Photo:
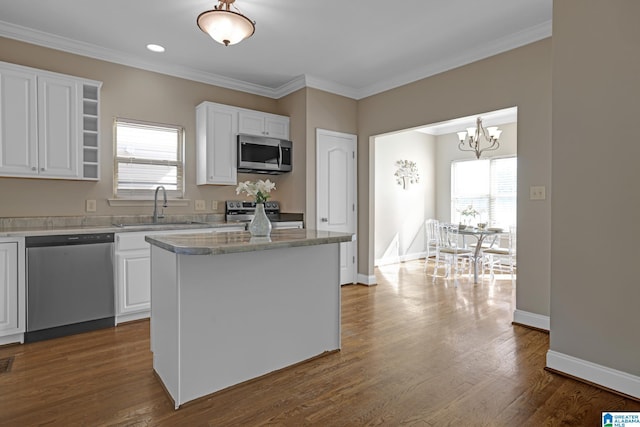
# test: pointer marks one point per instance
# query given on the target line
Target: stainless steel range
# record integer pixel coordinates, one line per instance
(241, 211)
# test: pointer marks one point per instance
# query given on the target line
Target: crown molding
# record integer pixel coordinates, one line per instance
(491, 118)
(524, 37)
(332, 87)
(52, 41)
(307, 80)
(290, 87)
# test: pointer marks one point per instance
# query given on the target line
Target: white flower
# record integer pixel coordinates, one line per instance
(259, 189)
(470, 211)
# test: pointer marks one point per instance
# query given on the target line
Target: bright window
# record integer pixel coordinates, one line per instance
(489, 186)
(148, 155)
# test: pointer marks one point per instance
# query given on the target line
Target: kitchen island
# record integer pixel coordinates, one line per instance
(226, 308)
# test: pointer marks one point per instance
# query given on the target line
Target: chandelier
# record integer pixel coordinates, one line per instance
(474, 142)
(225, 25)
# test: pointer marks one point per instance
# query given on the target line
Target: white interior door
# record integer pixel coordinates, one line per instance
(336, 193)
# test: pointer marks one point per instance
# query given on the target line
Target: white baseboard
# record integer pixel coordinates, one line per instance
(594, 373)
(534, 320)
(122, 318)
(367, 280)
(10, 339)
(400, 258)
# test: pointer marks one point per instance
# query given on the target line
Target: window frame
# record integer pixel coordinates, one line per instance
(141, 194)
(491, 197)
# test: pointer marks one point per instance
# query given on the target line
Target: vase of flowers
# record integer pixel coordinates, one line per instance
(260, 190)
(468, 213)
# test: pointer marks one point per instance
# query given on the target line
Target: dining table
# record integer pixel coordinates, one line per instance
(481, 235)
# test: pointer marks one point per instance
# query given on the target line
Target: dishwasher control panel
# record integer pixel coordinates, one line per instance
(68, 239)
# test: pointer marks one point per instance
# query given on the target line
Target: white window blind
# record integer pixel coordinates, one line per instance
(148, 155)
(489, 186)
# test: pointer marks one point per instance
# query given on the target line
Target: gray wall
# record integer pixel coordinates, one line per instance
(595, 290)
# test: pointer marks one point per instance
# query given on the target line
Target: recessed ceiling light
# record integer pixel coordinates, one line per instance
(155, 48)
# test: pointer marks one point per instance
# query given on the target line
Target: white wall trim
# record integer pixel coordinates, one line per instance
(331, 87)
(146, 202)
(513, 41)
(10, 339)
(594, 373)
(130, 317)
(290, 87)
(367, 280)
(64, 44)
(53, 41)
(534, 320)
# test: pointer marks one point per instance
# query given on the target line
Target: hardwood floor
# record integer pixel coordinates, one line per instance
(413, 352)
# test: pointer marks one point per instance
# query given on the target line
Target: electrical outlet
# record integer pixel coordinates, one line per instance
(90, 205)
(200, 205)
(214, 205)
(537, 193)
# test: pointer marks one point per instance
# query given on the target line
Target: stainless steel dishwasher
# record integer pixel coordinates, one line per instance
(70, 286)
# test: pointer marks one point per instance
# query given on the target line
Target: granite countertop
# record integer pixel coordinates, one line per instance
(24, 227)
(242, 241)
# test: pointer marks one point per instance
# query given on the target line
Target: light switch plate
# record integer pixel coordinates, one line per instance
(537, 193)
(200, 205)
(90, 205)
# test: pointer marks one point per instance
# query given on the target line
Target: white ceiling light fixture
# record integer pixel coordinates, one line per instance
(225, 25)
(473, 143)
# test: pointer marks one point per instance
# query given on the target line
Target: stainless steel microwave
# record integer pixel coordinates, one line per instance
(259, 154)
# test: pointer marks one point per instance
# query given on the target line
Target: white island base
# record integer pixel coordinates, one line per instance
(219, 320)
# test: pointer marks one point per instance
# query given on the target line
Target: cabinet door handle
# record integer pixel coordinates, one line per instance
(324, 219)
(42, 169)
(33, 168)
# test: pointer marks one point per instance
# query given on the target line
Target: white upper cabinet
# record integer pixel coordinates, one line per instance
(263, 124)
(217, 130)
(18, 122)
(48, 124)
(58, 127)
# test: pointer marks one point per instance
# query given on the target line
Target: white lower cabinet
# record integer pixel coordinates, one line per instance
(133, 281)
(12, 294)
(133, 271)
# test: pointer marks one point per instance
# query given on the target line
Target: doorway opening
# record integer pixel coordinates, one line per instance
(401, 208)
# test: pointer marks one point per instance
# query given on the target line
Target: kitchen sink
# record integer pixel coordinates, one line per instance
(157, 224)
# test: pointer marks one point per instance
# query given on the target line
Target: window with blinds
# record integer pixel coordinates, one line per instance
(488, 186)
(148, 155)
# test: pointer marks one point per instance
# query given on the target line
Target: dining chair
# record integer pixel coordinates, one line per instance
(501, 257)
(449, 250)
(431, 239)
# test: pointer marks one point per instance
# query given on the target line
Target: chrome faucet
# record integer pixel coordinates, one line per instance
(155, 204)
